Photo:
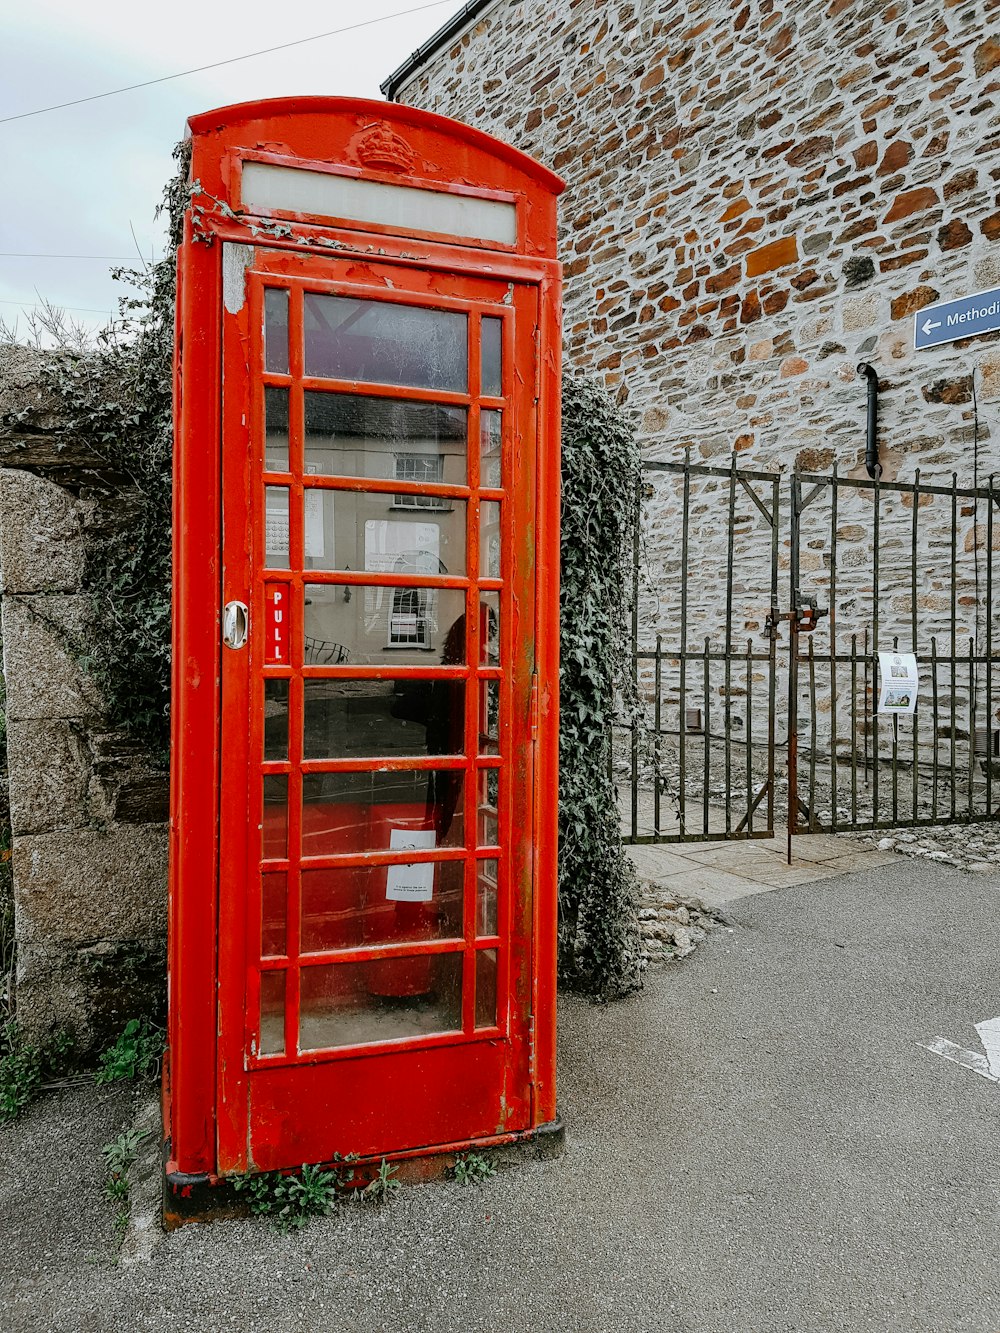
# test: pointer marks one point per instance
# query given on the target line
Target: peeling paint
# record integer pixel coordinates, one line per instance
(236, 259)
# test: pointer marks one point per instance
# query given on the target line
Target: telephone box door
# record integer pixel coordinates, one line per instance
(377, 761)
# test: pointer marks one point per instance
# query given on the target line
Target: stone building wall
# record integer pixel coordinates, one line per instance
(87, 807)
(759, 197)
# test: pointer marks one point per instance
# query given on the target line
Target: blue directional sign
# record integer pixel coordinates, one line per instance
(964, 318)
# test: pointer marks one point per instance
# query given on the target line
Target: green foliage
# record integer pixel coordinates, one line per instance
(118, 1156)
(472, 1168)
(291, 1200)
(25, 1068)
(599, 946)
(135, 1055)
(118, 402)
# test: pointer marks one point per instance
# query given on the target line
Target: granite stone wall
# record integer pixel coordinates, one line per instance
(759, 197)
(87, 807)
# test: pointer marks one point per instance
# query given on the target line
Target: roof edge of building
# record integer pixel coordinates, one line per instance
(455, 25)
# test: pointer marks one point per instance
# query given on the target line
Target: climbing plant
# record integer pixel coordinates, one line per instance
(116, 397)
(599, 948)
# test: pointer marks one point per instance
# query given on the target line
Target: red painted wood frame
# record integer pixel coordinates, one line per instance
(230, 1105)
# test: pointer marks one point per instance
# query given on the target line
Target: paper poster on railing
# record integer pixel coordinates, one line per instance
(898, 691)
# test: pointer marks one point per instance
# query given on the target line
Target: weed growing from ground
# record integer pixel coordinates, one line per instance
(135, 1055)
(118, 1156)
(471, 1168)
(381, 1187)
(289, 1201)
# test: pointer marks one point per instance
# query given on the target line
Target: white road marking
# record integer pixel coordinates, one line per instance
(988, 1065)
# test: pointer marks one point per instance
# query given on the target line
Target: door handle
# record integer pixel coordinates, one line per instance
(235, 624)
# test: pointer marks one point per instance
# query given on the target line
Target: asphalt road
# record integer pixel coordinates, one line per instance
(758, 1143)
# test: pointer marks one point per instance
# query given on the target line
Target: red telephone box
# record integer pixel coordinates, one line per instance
(363, 879)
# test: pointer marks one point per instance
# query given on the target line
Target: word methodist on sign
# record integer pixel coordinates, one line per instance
(962, 318)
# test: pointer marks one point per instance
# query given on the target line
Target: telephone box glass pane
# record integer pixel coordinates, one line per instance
(351, 1004)
(273, 901)
(357, 906)
(275, 428)
(276, 527)
(489, 629)
(272, 1013)
(488, 808)
(490, 429)
(486, 988)
(486, 897)
(491, 351)
(383, 342)
(489, 540)
(276, 330)
(347, 530)
(363, 719)
(392, 626)
(489, 717)
(344, 813)
(276, 719)
(275, 832)
(388, 439)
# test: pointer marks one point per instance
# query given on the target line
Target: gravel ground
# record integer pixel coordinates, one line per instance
(756, 1143)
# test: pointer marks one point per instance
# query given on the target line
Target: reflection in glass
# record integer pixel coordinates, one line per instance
(383, 625)
(486, 897)
(275, 831)
(492, 348)
(486, 988)
(275, 428)
(276, 527)
(275, 719)
(343, 813)
(346, 719)
(489, 717)
(352, 907)
(276, 330)
(489, 540)
(352, 530)
(272, 1013)
(488, 808)
(351, 1004)
(383, 342)
(490, 440)
(273, 900)
(349, 435)
(489, 629)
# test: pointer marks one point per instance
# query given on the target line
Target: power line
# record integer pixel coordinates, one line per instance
(58, 305)
(19, 254)
(233, 60)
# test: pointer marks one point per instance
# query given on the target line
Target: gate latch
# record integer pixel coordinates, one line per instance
(807, 615)
(235, 621)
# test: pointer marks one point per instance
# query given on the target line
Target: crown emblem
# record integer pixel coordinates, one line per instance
(378, 146)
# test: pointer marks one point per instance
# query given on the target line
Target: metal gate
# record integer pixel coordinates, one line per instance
(760, 603)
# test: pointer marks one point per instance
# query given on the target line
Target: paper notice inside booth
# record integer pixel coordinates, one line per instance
(410, 883)
(899, 682)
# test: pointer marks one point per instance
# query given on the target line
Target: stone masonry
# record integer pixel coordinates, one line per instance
(87, 808)
(758, 198)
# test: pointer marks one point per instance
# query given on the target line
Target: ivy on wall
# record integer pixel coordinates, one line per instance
(599, 943)
(118, 402)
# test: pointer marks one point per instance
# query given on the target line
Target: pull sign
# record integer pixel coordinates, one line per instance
(277, 602)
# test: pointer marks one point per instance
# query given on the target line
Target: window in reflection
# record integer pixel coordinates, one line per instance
(383, 342)
(350, 435)
(396, 626)
(368, 531)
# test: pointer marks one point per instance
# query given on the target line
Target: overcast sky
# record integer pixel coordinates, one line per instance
(79, 181)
